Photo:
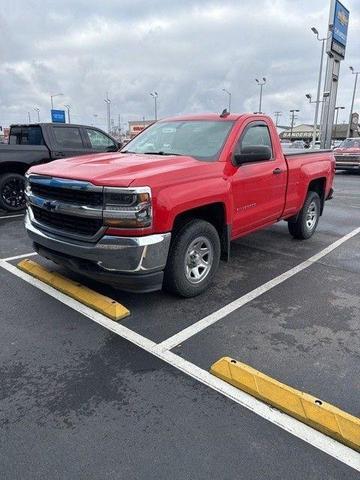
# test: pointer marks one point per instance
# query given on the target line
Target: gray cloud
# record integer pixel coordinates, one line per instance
(187, 51)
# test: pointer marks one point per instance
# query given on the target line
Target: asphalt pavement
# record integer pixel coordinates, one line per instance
(78, 401)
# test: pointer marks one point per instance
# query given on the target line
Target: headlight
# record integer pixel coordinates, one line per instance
(127, 207)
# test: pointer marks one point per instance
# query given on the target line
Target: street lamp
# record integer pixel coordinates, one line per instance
(68, 108)
(353, 99)
(336, 119)
(317, 102)
(226, 91)
(37, 110)
(108, 102)
(261, 84)
(55, 95)
(155, 97)
(293, 111)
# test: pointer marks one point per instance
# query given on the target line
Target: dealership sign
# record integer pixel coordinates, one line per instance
(340, 29)
(58, 116)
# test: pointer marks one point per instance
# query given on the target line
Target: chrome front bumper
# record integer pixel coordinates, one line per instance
(128, 255)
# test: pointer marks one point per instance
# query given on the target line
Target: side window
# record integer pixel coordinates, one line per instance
(26, 136)
(68, 137)
(254, 135)
(98, 140)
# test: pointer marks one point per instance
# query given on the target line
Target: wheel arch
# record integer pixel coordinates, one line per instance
(13, 167)
(214, 213)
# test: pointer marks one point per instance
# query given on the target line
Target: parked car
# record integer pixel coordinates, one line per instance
(163, 211)
(347, 155)
(41, 143)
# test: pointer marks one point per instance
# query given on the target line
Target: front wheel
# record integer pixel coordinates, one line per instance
(12, 192)
(193, 259)
(308, 218)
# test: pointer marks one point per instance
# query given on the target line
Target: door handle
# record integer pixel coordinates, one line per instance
(277, 171)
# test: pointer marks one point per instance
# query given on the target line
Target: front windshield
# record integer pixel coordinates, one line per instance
(350, 143)
(200, 139)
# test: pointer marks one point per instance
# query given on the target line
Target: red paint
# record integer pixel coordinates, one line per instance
(252, 196)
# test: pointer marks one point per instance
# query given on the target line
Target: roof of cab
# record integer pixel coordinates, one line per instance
(203, 116)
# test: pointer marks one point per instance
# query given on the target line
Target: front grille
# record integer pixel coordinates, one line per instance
(67, 223)
(75, 196)
(348, 158)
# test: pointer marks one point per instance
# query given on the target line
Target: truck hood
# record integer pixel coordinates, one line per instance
(117, 169)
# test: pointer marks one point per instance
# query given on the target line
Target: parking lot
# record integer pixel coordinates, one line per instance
(84, 397)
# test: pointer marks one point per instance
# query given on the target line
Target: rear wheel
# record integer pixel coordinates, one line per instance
(12, 192)
(308, 218)
(193, 259)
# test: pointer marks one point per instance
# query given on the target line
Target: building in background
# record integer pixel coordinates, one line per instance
(305, 131)
(138, 126)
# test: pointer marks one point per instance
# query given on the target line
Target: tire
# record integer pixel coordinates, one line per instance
(12, 187)
(193, 259)
(308, 218)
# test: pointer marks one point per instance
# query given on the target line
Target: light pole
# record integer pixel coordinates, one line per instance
(108, 102)
(277, 116)
(293, 111)
(226, 91)
(261, 84)
(353, 100)
(68, 108)
(52, 101)
(95, 115)
(29, 118)
(155, 97)
(317, 103)
(336, 118)
(37, 110)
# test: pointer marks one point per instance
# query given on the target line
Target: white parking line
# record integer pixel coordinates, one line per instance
(17, 257)
(313, 437)
(197, 327)
(12, 216)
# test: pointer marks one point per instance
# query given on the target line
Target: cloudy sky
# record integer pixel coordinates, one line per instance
(187, 51)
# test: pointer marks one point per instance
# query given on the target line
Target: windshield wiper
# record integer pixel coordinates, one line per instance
(162, 153)
(127, 151)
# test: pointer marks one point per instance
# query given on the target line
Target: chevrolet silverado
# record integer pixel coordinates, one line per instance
(163, 211)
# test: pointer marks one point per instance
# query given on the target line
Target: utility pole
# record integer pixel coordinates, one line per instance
(353, 100)
(261, 84)
(68, 107)
(229, 94)
(37, 110)
(277, 116)
(108, 102)
(292, 121)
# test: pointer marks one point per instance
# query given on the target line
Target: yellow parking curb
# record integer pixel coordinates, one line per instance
(105, 305)
(308, 409)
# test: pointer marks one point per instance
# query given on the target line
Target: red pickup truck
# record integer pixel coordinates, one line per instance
(347, 155)
(163, 211)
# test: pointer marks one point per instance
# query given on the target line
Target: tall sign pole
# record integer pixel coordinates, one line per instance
(335, 49)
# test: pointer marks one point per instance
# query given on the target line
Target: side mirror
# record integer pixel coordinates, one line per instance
(114, 148)
(120, 145)
(253, 153)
